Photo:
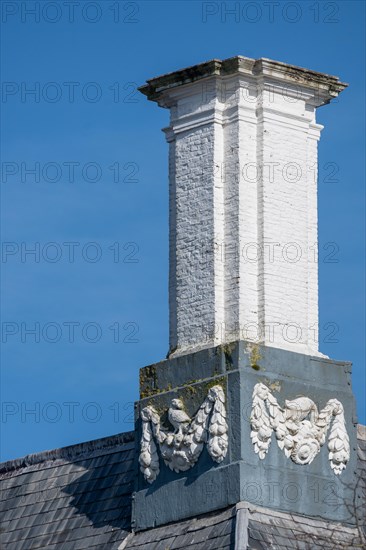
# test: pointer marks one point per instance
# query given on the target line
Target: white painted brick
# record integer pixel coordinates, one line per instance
(242, 171)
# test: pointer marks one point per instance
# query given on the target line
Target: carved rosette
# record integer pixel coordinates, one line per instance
(299, 428)
(181, 449)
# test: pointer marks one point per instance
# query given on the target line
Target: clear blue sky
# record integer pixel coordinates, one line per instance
(86, 111)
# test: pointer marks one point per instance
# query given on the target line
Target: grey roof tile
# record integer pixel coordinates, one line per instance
(79, 498)
(282, 531)
(73, 497)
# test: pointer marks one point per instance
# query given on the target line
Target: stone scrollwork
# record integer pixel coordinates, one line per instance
(299, 427)
(181, 449)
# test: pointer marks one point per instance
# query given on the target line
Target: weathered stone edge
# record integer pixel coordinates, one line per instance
(154, 87)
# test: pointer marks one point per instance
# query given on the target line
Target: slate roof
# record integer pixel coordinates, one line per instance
(262, 529)
(80, 497)
(68, 499)
(272, 529)
(215, 531)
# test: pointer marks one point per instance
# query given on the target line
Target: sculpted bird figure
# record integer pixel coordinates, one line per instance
(178, 418)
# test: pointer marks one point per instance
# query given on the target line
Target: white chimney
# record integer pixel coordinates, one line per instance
(243, 202)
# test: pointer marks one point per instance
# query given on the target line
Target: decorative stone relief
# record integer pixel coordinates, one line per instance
(299, 427)
(181, 449)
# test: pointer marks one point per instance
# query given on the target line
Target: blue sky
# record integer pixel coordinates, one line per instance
(95, 210)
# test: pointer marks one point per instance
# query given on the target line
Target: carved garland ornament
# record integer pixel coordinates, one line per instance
(300, 429)
(181, 449)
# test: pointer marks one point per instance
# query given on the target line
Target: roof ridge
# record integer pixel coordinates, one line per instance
(69, 452)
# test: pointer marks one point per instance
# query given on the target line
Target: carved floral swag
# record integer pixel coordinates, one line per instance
(300, 429)
(180, 451)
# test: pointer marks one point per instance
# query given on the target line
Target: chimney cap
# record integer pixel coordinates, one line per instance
(329, 86)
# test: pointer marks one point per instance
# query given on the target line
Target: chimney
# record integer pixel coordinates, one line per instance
(243, 143)
(245, 406)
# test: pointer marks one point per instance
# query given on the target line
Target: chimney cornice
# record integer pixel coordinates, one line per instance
(329, 86)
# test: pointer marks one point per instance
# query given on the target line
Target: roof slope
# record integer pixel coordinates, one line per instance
(257, 529)
(271, 529)
(80, 497)
(71, 498)
(214, 531)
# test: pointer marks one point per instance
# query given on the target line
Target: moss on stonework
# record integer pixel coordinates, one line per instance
(192, 396)
(255, 357)
(228, 350)
(190, 389)
(149, 386)
(199, 391)
(159, 405)
(148, 381)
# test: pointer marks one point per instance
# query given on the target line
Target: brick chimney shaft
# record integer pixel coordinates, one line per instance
(243, 202)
